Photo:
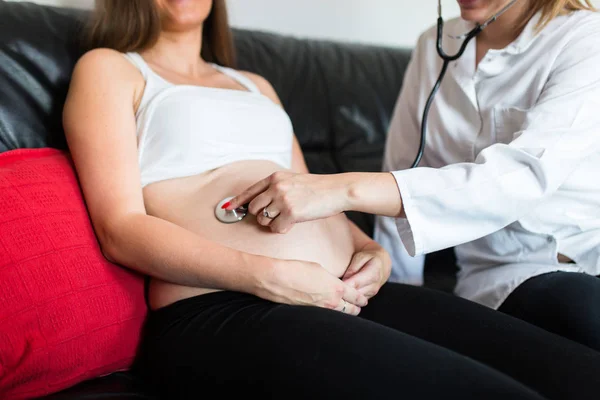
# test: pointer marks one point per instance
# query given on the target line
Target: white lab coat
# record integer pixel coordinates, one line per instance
(511, 171)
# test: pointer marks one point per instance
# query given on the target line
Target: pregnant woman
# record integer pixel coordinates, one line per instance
(162, 129)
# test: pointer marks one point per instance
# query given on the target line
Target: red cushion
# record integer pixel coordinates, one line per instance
(66, 313)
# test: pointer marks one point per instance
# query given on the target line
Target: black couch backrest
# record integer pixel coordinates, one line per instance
(38, 50)
(340, 96)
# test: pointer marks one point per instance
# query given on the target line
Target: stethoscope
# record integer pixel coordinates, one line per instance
(233, 216)
(447, 59)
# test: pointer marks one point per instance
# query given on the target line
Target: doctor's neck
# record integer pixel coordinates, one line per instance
(506, 28)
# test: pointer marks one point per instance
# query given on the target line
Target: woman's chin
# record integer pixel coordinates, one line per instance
(183, 24)
(475, 16)
(179, 15)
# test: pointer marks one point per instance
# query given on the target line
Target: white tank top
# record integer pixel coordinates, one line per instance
(184, 130)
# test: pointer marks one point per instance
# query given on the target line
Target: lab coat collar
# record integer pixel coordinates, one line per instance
(526, 37)
(464, 68)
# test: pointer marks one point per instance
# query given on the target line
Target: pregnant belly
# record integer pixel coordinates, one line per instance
(190, 203)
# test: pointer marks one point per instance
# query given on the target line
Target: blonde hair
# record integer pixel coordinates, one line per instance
(551, 9)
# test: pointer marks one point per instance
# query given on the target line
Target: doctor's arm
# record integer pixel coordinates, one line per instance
(370, 266)
(303, 197)
(464, 202)
(327, 195)
(442, 208)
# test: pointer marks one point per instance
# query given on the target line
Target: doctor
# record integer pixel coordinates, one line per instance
(509, 174)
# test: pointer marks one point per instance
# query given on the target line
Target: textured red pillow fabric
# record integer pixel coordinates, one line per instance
(66, 313)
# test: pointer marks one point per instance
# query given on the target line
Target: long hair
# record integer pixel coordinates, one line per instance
(134, 25)
(551, 9)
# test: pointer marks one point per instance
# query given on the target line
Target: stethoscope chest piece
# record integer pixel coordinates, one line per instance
(230, 217)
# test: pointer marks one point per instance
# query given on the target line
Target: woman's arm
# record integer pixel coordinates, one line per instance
(99, 123)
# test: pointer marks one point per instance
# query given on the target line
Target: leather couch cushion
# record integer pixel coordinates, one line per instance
(120, 386)
(67, 314)
(38, 50)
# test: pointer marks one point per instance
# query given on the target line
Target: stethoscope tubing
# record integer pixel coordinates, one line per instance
(447, 59)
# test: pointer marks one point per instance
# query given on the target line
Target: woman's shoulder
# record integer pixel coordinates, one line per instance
(264, 86)
(101, 57)
(586, 16)
(576, 35)
(105, 64)
(260, 81)
(582, 22)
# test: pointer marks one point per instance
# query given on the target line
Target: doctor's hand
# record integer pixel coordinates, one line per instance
(285, 198)
(369, 270)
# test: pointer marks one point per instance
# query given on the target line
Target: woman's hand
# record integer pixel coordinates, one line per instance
(285, 198)
(309, 284)
(369, 270)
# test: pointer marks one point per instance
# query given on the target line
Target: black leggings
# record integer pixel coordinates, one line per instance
(408, 343)
(566, 303)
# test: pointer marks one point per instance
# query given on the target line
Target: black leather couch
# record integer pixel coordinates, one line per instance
(340, 97)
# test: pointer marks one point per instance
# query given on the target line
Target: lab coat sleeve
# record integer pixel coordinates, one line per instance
(463, 202)
(401, 147)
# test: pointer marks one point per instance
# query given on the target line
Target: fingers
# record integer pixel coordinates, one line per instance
(366, 281)
(282, 224)
(356, 264)
(348, 308)
(264, 202)
(369, 290)
(354, 297)
(257, 207)
(267, 216)
(249, 194)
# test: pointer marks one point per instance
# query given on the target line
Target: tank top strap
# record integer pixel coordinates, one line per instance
(139, 62)
(239, 77)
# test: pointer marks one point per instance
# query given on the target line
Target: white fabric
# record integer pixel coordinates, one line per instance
(510, 170)
(184, 130)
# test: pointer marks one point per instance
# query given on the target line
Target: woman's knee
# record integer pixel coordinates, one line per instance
(565, 303)
(555, 291)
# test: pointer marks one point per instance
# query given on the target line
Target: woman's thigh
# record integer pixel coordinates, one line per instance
(566, 303)
(241, 344)
(556, 367)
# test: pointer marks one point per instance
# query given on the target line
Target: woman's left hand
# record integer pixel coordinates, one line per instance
(369, 270)
(285, 198)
